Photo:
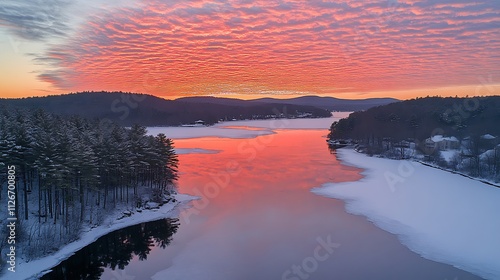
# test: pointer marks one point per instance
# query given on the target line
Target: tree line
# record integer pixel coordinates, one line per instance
(391, 129)
(71, 171)
(129, 108)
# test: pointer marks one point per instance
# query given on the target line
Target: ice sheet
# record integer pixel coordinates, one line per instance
(442, 216)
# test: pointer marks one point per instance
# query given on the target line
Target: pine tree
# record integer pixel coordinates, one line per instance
(69, 163)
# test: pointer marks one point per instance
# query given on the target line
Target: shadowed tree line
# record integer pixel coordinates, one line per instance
(390, 129)
(72, 171)
(129, 108)
(420, 118)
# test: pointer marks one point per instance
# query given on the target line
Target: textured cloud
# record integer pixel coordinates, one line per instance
(35, 20)
(186, 47)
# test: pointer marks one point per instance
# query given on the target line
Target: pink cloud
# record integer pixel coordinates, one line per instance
(186, 47)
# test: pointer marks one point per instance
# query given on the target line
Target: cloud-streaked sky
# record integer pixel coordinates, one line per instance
(349, 49)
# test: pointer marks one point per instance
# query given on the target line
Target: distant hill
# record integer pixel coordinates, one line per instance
(328, 103)
(218, 101)
(148, 110)
(332, 103)
(422, 117)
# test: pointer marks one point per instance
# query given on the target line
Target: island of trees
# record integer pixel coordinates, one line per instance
(71, 172)
(459, 134)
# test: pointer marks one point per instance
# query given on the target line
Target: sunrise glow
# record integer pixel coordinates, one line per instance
(250, 49)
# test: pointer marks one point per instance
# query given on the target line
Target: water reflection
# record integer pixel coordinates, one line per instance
(332, 150)
(263, 219)
(116, 250)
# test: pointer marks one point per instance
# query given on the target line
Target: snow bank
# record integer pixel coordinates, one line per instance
(207, 131)
(488, 137)
(441, 216)
(245, 129)
(319, 123)
(35, 269)
(182, 151)
(440, 138)
(448, 155)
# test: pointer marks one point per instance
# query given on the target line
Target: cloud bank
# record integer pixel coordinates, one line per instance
(190, 47)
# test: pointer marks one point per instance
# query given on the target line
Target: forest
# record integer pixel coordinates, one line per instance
(127, 108)
(322, 102)
(71, 172)
(403, 129)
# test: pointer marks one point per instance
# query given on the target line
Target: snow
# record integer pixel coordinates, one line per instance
(182, 151)
(441, 216)
(320, 123)
(35, 269)
(206, 131)
(439, 138)
(152, 205)
(245, 129)
(488, 137)
(449, 154)
(487, 154)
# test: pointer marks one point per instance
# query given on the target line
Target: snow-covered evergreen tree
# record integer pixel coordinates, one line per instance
(70, 169)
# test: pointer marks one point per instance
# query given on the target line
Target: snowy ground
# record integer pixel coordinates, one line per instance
(183, 151)
(441, 216)
(320, 123)
(207, 131)
(36, 268)
(246, 129)
(449, 155)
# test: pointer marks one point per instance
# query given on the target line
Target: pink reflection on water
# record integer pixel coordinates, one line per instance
(265, 218)
(264, 160)
(273, 171)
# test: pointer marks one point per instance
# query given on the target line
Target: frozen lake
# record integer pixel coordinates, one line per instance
(258, 219)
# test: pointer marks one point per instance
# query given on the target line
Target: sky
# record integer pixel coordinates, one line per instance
(250, 49)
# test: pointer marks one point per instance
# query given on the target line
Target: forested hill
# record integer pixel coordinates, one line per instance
(147, 110)
(332, 103)
(422, 117)
(328, 103)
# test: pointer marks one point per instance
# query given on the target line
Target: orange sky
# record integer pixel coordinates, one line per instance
(250, 49)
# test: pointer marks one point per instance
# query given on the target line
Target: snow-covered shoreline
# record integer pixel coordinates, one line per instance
(36, 268)
(442, 216)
